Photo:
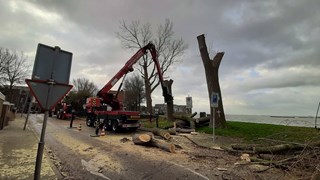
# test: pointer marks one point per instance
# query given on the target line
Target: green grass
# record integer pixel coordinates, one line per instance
(162, 123)
(251, 132)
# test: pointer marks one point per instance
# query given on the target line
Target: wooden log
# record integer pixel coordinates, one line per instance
(163, 145)
(280, 141)
(160, 132)
(182, 130)
(147, 140)
(203, 120)
(182, 124)
(203, 124)
(172, 131)
(277, 148)
(141, 139)
(186, 119)
(242, 147)
(183, 118)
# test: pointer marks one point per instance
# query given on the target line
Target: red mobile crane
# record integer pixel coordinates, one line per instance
(107, 110)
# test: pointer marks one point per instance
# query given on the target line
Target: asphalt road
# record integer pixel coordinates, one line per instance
(79, 156)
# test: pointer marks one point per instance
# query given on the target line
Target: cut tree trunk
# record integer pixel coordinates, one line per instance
(164, 145)
(187, 119)
(181, 124)
(148, 140)
(203, 124)
(183, 118)
(141, 139)
(168, 85)
(172, 131)
(277, 148)
(203, 120)
(211, 68)
(160, 132)
(182, 130)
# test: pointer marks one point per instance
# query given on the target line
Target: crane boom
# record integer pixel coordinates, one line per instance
(128, 67)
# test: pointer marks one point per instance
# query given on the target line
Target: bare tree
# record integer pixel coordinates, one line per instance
(82, 89)
(170, 50)
(211, 67)
(134, 92)
(6, 57)
(84, 86)
(14, 70)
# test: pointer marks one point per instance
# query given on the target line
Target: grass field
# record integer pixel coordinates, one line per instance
(252, 132)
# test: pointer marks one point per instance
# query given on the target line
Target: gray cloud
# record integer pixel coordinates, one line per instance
(271, 47)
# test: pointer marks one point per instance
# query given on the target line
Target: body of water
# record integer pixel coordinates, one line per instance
(301, 121)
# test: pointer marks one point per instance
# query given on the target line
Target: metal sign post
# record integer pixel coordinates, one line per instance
(315, 121)
(49, 84)
(214, 102)
(28, 111)
(43, 132)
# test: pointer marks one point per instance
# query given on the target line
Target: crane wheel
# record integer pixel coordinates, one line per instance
(115, 126)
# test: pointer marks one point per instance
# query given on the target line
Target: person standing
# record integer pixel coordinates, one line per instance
(72, 117)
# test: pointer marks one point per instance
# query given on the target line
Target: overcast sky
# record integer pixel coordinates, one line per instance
(272, 48)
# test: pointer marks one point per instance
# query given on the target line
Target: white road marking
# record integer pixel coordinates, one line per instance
(192, 171)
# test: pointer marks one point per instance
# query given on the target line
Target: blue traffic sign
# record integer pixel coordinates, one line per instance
(214, 101)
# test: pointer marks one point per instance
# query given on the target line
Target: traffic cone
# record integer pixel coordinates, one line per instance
(79, 127)
(103, 133)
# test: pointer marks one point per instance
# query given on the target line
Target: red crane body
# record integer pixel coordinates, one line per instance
(116, 116)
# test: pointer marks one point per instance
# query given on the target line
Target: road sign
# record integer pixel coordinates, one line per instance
(49, 84)
(47, 96)
(52, 63)
(214, 101)
(50, 76)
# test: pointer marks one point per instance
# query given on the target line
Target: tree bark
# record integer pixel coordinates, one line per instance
(160, 132)
(170, 112)
(188, 120)
(183, 118)
(182, 130)
(203, 120)
(277, 148)
(148, 140)
(148, 90)
(211, 71)
(164, 145)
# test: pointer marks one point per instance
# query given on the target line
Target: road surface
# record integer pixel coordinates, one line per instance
(77, 155)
